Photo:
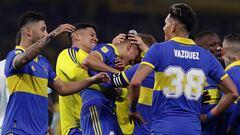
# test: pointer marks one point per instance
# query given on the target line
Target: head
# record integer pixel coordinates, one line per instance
(180, 21)
(147, 39)
(127, 51)
(84, 36)
(209, 40)
(231, 48)
(32, 26)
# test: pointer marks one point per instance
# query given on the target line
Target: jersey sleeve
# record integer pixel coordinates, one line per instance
(9, 67)
(51, 74)
(216, 71)
(105, 52)
(151, 57)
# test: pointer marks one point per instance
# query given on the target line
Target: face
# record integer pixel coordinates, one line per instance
(39, 30)
(212, 43)
(229, 52)
(88, 37)
(168, 28)
(132, 53)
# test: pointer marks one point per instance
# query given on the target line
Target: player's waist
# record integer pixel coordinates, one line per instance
(145, 96)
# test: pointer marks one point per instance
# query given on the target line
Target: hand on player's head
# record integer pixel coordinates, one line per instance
(62, 28)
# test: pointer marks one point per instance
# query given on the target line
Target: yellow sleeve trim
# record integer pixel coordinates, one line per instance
(125, 78)
(99, 54)
(149, 64)
(224, 76)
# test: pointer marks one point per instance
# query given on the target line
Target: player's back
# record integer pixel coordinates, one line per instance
(181, 68)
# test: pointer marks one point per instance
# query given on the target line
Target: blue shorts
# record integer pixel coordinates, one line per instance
(146, 112)
(75, 131)
(99, 118)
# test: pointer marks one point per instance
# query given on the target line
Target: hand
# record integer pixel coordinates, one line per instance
(100, 77)
(62, 28)
(203, 118)
(136, 117)
(119, 38)
(134, 39)
(119, 64)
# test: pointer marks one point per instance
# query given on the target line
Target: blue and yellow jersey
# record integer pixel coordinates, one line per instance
(108, 53)
(68, 69)
(27, 109)
(233, 70)
(181, 69)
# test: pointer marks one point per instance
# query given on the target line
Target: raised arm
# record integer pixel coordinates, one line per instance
(94, 61)
(31, 52)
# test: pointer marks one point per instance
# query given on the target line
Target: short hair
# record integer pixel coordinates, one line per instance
(232, 37)
(29, 16)
(203, 34)
(184, 14)
(147, 38)
(80, 26)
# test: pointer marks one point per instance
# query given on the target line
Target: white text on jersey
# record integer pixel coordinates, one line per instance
(186, 54)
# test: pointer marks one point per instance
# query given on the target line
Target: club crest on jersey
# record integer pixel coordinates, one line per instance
(104, 49)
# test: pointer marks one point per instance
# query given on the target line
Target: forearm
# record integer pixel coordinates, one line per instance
(73, 87)
(31, 52)
(223, 104)
(97, 64)
(133, 95)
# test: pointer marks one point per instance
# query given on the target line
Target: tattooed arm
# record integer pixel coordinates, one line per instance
(32, 51)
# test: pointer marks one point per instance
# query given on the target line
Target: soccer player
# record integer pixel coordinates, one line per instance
(98, 115)
(211, 95)
(28, 74)
(4, 95)
(144, 41)
(231, 48)
(180, 71)
(83, 39)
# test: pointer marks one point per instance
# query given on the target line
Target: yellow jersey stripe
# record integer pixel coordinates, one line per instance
(114, 48)
(99, 55)
(125, 77)
(98, 121)
(145, 96)
(31, 84)
(149, 64)
(93, 118)
(183, 40)
(236, 63)
(224, 76)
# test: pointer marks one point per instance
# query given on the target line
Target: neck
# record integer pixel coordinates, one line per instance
(25, 43)
(120, 50)
(85, 49)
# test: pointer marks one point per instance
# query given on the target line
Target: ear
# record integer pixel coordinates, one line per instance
(28, 31)
(76, 36)
(173, 28)
(129, 46)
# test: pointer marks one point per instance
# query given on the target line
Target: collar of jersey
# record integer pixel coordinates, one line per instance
(183, 40)
(236, 63)
(114, 48)
(20, 47)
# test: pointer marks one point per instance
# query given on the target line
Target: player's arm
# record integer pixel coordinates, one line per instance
(134, 89)
(230, 95)
(31, 52)
(69, 88)
(94, 61)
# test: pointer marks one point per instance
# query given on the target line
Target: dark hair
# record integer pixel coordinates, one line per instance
(29, 16)
(80, 26)
(147, 38)
(18, 38)
(203, 33)
(184, 14)
(232, 37)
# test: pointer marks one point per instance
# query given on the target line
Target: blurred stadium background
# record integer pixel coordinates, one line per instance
(113, 17)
